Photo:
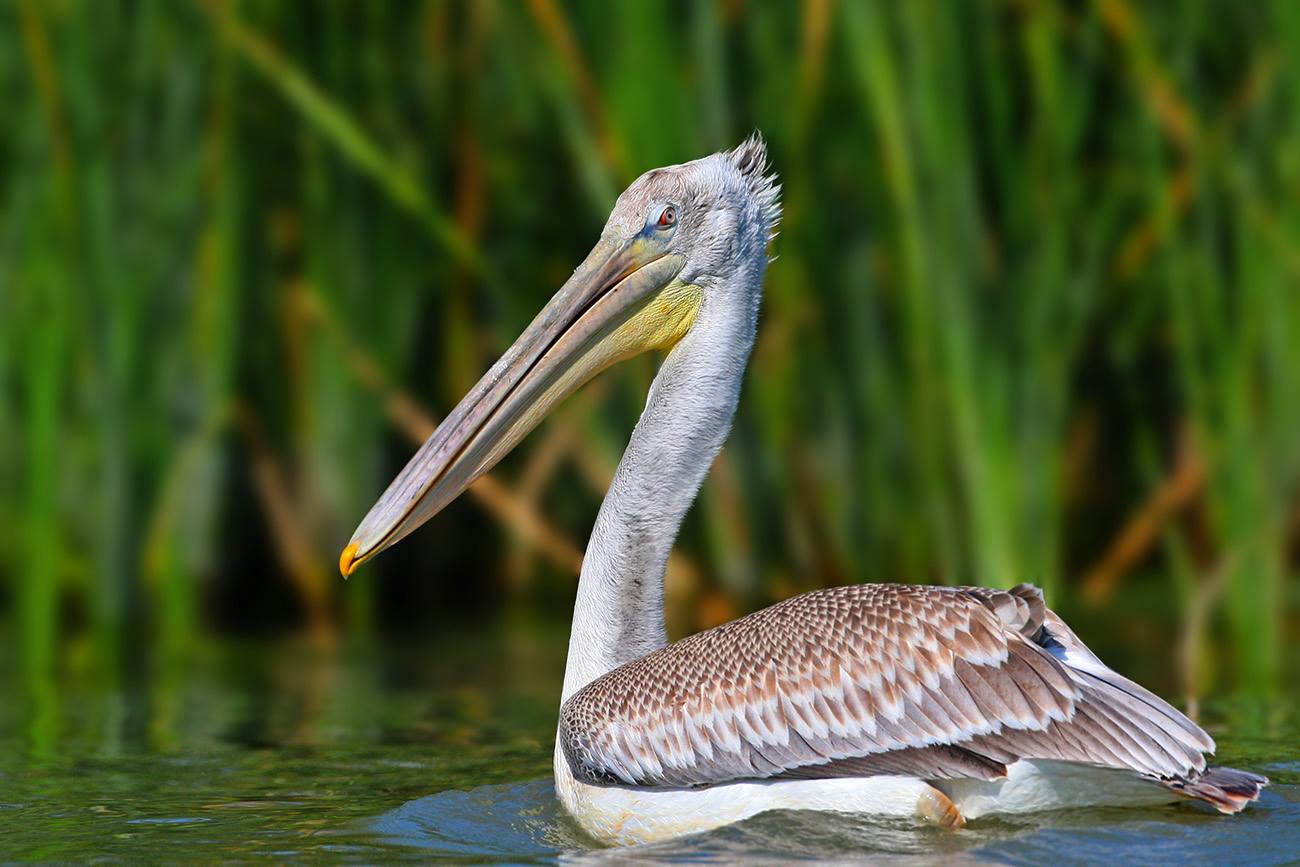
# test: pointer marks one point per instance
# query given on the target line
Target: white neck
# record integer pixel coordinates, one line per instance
(619, 612)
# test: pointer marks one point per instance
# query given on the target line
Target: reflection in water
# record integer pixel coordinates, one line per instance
(523, 822)
(376, 753)
(516, 820)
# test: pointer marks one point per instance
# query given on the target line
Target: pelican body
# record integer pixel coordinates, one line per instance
(944, 703)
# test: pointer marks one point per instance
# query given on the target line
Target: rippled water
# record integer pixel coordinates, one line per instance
(443, 752)
(523, 823)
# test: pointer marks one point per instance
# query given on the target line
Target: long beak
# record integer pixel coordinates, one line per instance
(600, 316)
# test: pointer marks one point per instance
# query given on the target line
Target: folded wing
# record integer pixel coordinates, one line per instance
(934, 682)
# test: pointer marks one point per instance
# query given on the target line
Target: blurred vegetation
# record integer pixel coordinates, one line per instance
(1034, 314)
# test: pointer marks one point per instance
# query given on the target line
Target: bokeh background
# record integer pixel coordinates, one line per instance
(1034, 316)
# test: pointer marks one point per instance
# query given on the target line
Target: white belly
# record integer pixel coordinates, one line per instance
(1032, 786)
(628, 815)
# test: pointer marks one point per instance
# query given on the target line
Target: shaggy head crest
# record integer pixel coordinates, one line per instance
(750, 159)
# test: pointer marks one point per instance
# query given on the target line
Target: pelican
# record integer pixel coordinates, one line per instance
(944, 703)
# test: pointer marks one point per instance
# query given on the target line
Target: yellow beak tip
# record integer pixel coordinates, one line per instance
(347, 560)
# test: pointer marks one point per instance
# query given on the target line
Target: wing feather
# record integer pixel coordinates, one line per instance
(852, 681)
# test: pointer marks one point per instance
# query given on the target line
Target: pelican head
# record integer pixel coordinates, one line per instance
(675, 236)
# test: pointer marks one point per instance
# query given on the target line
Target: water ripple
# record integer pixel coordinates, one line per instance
(524, 823)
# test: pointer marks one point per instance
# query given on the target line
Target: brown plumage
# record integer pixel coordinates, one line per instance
(932, 682)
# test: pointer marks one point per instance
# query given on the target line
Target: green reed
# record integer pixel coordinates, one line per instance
(1031, 252)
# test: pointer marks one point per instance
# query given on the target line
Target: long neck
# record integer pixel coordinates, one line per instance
(619, 612)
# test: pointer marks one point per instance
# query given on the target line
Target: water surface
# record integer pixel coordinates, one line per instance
(442, 750)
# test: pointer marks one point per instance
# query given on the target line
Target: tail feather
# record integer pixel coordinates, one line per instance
(1227, 789)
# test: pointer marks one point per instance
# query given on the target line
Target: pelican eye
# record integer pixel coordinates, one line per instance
(667, 217)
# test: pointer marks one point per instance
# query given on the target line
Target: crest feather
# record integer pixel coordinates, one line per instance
(750, 159)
